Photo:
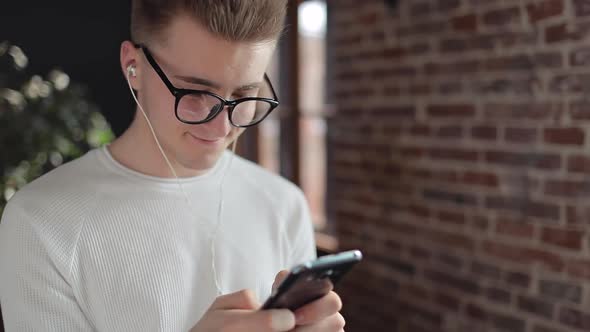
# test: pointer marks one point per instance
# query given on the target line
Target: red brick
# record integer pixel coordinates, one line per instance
(575, 318)
(445, 176)
(451, 261)
(486, 270)
(419, 48)
(454, 281)
(451, 239)
(580, 56)
(536, 306)
(582, 7)
(520, 111)
(562, 291)
(454, 68)
(516, 229)
(481, 179)
(574, 83)
(451, 131)
(420, 130)
(448, 5)
(498, 295)
(419, 210)
(459, 111)
(580, 110)
(419, 90)
(525, 62)
(394, 52)
(557, 33)
(544, 9)
(539, 328)
(564, 136)
(390, 73)
(525, 207)
(502, 16)
(475, 311)
(447, 301)
(408, 112)
(451, 217)
(522, 159)
(520, 135)
(484, 132)
(579, 268)
(518, 279)
(420, 9)
(368, 18)
(421, 29)
(480, 223)
(415, 291)
(505, 85)
(445, 196)
(415, 152)
(567, 239)
(453, 154)
(574, 189)
(420, 173)
(392, 90)
(467, 23)
(349, 40)
(419, 253)
(419, 313)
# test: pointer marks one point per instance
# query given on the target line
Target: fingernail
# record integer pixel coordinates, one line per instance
(282, 320)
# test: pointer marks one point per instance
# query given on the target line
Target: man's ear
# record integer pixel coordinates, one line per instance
(129, 58)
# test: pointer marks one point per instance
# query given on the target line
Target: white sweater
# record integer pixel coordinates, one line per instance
(96, 246)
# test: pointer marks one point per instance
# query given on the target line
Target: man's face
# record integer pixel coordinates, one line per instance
(190, 55)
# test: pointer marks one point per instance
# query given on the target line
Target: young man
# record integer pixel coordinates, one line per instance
(148, 233)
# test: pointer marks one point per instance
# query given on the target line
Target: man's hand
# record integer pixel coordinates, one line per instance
(320, 315)
(238, 312)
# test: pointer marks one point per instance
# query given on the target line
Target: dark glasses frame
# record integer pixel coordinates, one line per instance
(178, 93)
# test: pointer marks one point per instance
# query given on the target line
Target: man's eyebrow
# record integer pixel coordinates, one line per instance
(199, 81)
(214, 85)
(250, 86)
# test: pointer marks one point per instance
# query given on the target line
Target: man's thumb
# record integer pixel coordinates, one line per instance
(275, 320)
(279, 278)
(244, 299)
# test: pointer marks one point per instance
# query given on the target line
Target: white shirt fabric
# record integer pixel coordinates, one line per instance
(96, 246)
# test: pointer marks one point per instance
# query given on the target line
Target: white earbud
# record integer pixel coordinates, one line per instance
(131, 70)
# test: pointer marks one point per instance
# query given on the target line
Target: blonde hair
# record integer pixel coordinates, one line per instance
(232, 20)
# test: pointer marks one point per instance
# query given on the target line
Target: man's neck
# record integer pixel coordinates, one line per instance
(137, 150)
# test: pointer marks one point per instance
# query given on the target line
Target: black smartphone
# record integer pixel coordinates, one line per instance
(311, 281)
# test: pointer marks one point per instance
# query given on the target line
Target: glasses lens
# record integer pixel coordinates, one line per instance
(197, 107)
(249, 112)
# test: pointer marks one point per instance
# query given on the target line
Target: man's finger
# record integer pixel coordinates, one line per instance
(237, 320)
(279, 278)
(319, 309)
(244, 299)
(273, 320)
(334, 323)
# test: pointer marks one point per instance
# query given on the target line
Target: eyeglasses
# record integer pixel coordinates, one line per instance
(200, 106)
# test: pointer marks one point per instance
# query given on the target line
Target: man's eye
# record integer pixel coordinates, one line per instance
(239, 96)
(246, 94)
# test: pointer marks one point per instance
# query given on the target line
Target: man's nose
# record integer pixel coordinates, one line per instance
(220, 125)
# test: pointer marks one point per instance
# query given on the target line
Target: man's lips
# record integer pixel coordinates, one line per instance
(204, 140)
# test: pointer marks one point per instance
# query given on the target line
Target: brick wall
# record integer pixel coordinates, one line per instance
(460, 163)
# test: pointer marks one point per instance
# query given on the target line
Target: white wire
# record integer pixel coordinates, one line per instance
(156, 139)
(212, 236)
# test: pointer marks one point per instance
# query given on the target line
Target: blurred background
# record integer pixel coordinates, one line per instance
(446, 139)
